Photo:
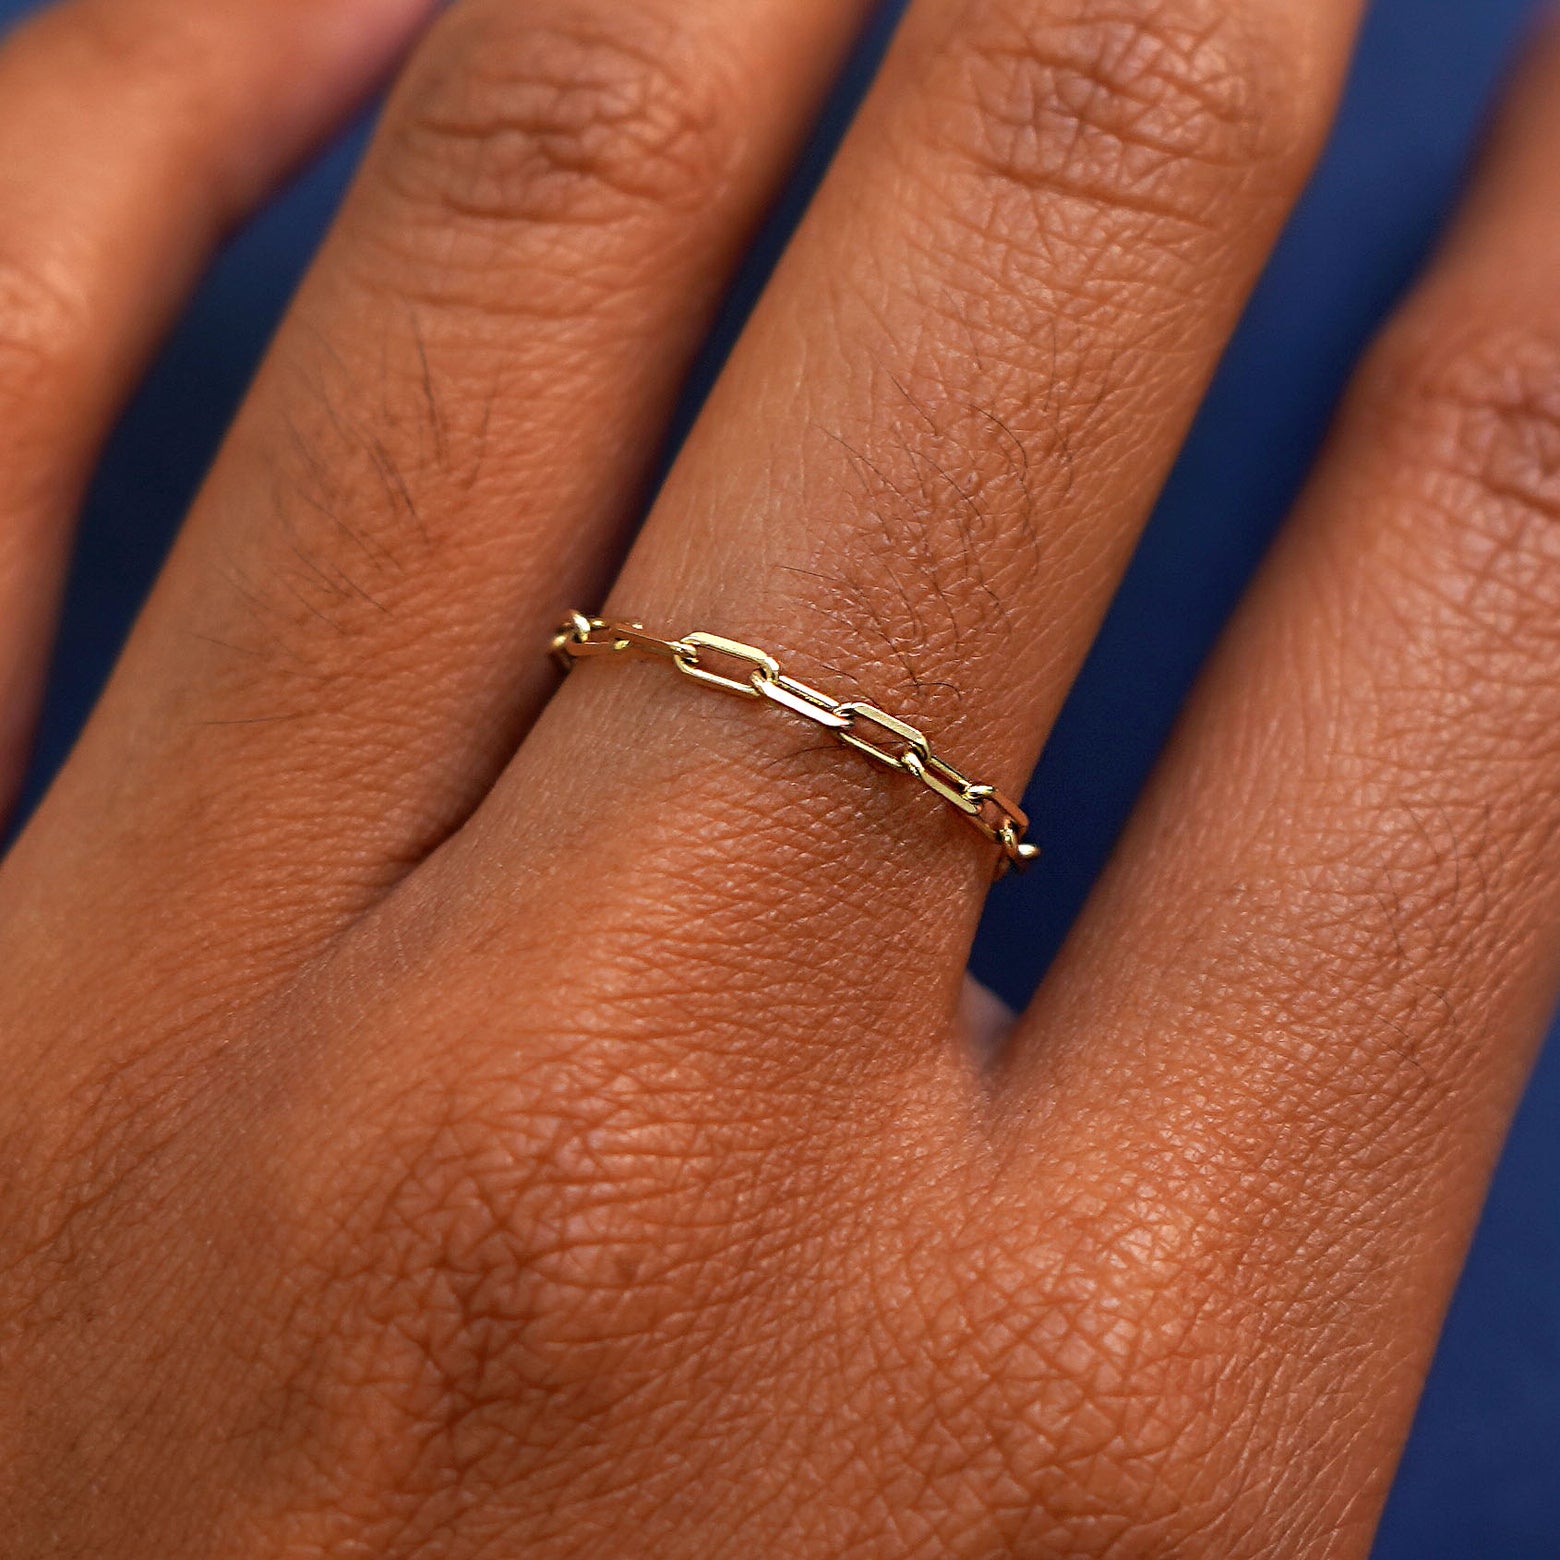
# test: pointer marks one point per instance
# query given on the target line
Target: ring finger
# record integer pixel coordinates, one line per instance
(922, 476)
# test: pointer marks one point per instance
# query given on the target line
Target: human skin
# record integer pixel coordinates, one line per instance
(451, 1113)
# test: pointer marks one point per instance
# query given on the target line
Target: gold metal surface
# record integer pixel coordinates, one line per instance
(882, 737)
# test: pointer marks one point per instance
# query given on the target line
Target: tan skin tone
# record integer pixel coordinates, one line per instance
(451, 1114)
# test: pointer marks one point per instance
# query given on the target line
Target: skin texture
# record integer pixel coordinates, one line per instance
(109, 216)
(451, 1114)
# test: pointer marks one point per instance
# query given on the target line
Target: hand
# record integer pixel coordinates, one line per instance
(452, 1114)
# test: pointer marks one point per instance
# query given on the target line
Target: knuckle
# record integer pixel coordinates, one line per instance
(1130, 104)
(512, 118)
(43, 322)
(1071, 1383)
(1118, 1336)
(1100, 1366)
(1471, 415)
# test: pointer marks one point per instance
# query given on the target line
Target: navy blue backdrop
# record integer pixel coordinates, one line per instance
(1481, 1480)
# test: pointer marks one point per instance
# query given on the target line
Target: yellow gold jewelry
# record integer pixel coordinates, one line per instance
(884, 738)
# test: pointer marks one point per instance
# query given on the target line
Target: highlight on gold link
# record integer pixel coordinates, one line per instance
(880, 736)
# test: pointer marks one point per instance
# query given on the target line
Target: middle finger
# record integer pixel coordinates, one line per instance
(922, 475)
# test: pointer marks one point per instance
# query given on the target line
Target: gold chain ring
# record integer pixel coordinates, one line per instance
(883, 738)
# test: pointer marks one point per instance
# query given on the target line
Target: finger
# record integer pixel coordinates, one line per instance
(1303, 1003)
(455, 426)
(132, 133)
(925, 469)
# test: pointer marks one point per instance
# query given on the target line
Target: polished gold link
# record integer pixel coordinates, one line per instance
(765, 667)
(1005, 822)
(589, 649)
(583, 639)
(631, 639)
(810, 703)
(956, 789)
(984, 807)
(573, 632)
(1015, 853)
(910, 760)
(999, 809)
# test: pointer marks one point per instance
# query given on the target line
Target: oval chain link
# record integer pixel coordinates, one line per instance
(882, 737)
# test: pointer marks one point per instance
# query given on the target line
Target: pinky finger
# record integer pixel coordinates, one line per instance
(132, 134)
(1304, 999)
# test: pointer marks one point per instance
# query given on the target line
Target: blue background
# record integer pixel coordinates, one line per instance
(1481, 1479)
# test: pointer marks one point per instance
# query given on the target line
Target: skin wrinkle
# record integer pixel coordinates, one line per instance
(45, 321)
(583, 114)
(1027, 171)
